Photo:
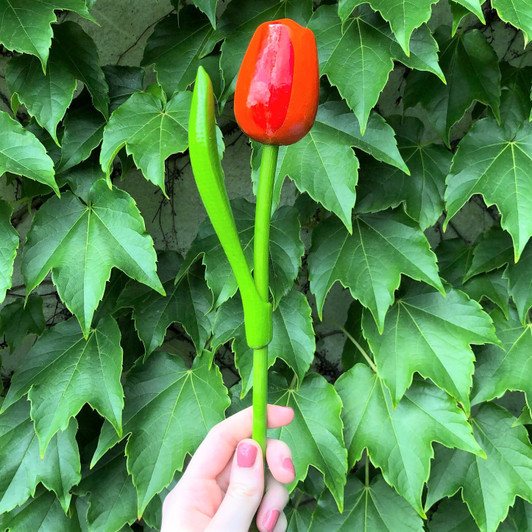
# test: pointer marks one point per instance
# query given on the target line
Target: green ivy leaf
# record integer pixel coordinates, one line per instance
(22, 154)
(293, 336)
(452, 515)
(107, 232)
(403, 16)
(489, 486)
(382, 187)
(83, 129)
(352, 353)
(371, 260)
(81, 177)
(46, 96)
(167, 417)
(298, 518)
(366, 44)
(26, 26)
(79, 55)
(525, 418)
(496, 163)
(474, 6)
(520, 283)
(8, 248)
(471, 68)
(176, 47)
(515, 95)
(430, 334)
(150, 130)
(209, 8)
(459, 13)
(323, 163)
(508, 367)
(123, 81)
(63, 371)
(519, 517)
(43, 513)
(493, 250)
(315, 435)
(21, 317)
(455, 259)
(387, 433)
(112, 496)
(373, 508)
(517, 13)
(73, 57)
(187, 302)
(286, 250)
(492, 286)
(21, 466)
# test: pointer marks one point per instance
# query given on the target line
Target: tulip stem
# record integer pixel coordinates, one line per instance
(260, 274)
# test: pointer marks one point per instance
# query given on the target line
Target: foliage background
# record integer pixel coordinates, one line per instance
(413, 193)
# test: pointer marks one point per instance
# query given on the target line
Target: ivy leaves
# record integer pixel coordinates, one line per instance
(371, 260)
(497, 167)
(26, 26)
(430, 423)
(81, 280)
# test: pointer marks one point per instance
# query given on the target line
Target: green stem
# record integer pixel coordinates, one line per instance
(261, 277)
(361, 350)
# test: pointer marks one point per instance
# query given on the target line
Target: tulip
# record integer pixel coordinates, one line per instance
(277, 90)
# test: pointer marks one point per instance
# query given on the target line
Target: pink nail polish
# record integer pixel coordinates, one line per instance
(289, 465)
(271, 520)
(246, 455)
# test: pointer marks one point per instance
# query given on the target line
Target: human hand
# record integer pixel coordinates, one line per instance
(223, 485)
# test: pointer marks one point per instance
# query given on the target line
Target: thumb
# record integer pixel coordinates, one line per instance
(244, 493)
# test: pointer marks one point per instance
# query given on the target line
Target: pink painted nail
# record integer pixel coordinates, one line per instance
(271, 520)
(289, 465)
(246, 454)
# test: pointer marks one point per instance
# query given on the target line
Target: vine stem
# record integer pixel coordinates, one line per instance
(268, 165)
(357, 345)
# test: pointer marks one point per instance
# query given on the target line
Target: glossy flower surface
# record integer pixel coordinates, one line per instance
(277, 89)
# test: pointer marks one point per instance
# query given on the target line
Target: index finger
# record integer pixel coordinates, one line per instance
(218, 447)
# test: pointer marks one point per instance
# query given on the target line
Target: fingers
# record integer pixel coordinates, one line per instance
(270, 517)
(244, 492)
(218, 447)
(279, 459)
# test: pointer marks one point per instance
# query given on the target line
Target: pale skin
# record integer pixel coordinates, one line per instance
(222, 489)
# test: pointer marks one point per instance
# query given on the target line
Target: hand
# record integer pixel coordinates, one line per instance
(223, 485)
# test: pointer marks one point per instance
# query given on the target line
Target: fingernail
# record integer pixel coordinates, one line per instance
(246, 455)
(289, 465)
(271, 520)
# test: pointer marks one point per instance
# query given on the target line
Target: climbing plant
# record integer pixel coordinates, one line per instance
(410, 198)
